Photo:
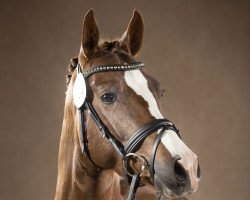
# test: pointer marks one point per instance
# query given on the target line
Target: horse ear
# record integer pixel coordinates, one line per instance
(90, 35)
(131, 40)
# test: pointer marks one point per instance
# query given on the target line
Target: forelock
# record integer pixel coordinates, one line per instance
(109, 45)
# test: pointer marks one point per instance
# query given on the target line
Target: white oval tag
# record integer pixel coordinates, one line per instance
(79, 90)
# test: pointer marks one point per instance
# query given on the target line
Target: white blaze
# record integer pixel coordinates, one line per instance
(139, 84)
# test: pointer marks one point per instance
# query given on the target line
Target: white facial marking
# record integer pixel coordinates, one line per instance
(136, 81)
(139, 84)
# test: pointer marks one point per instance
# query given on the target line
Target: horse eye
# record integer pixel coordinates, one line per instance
(108, 98)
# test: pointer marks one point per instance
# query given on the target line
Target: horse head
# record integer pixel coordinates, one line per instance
(127, 102)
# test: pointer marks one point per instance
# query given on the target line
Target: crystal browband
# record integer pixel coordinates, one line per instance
(119, 67)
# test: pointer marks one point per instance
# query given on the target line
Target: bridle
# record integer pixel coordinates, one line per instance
(83, 102)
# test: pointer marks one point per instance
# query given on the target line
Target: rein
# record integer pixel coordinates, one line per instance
(83, 102)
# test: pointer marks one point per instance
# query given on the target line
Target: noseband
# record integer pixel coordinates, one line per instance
(83, 102)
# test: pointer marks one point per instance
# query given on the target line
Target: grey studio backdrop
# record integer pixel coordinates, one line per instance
(198, 50)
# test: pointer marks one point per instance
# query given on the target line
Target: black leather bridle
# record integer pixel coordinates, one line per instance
(134, 142)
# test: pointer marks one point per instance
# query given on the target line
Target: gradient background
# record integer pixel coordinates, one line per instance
(199, 51)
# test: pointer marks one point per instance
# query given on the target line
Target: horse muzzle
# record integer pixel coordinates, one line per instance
(177, 170)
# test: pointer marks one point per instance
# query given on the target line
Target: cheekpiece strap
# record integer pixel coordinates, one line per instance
(118, 67)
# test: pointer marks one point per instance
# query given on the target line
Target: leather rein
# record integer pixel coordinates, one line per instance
(83, 102)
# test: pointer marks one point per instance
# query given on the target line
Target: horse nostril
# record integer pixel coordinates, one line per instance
(180, 172)
(198, 171)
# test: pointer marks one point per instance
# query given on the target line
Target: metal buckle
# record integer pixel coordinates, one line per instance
(144, 167)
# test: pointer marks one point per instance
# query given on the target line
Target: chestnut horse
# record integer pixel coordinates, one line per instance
(124, 101)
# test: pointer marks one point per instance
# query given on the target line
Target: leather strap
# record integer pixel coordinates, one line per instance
(83, 138)
(117, 67)
(153, 154)
(134, 186)
(144, 132)
(105, 131)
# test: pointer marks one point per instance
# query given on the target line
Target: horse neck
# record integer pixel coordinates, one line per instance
(77, 178)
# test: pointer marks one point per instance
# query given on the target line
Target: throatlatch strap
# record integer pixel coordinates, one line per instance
(134, 186)
(83, 138)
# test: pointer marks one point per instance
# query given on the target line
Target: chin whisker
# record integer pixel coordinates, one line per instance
(166, 193)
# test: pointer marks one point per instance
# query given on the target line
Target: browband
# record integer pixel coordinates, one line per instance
(117, 67)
